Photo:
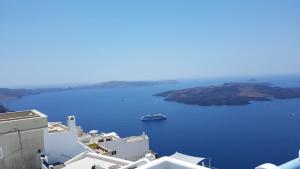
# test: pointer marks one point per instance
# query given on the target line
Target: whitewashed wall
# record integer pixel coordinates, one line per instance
(62, 146)
(128, 150)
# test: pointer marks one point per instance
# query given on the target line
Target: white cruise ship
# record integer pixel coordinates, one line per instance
(153, 117)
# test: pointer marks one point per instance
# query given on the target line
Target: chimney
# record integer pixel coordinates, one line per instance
(71, 123)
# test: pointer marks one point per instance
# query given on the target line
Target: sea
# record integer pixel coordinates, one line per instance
(234, 137)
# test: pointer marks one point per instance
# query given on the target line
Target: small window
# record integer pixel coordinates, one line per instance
(101, 140)
(108, 139)
(114, 152)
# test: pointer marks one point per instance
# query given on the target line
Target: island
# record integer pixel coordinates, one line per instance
(6, 93)
(230, 94)
(117, 84)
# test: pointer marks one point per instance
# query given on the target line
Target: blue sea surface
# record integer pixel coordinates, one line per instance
(235, 137)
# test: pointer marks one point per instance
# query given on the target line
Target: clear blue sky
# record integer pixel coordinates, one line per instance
(61, 42)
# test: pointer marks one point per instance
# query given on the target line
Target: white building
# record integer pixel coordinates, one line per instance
(170, 163)
(130, 148)
(267, 166)
(88, 161)
(293, 164)
(97, 161)
(27, 140)
(21, 139)
(61, 142)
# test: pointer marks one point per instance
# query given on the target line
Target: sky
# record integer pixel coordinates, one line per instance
(69, 42)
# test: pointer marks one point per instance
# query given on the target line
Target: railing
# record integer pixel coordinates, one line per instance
(45, 164)
(208, 164)
(105, 150)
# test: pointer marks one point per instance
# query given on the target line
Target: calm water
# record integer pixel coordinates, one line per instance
(235, 137)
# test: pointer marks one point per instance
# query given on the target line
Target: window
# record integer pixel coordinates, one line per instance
(114, 152)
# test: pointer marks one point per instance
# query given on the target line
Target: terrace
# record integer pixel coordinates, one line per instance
(56, 127)
(9, 116)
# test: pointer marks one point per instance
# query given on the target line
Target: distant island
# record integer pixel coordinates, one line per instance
(115, 84)
(230, 94)
(6, 93)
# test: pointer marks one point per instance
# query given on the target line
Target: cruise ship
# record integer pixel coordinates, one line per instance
(153, 117)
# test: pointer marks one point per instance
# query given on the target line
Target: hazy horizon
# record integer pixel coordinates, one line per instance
(227, 79)
(74, 42)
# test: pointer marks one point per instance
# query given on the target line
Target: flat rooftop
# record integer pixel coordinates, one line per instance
(167, 163)
(87, 161)
(56, 127)
(135, 138)
(97, 137)
(18, 115)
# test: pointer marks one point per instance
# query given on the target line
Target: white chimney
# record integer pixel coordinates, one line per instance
(71, 123)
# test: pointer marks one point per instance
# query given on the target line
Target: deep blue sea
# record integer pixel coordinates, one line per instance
(235, 137)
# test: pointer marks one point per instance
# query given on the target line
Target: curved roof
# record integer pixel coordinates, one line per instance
(267, 166)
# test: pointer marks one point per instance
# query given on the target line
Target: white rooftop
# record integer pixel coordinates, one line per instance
(56, 127)
(187, 158)
(170, 163)
(88, 160)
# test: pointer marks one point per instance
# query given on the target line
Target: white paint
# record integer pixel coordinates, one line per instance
(62, 146)
(130, 148)
(30, 124)
(267, 166)
(87, 160)
(136, 164)
(167, 162)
